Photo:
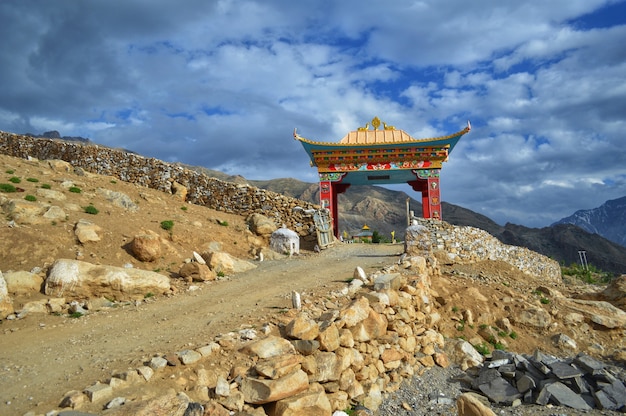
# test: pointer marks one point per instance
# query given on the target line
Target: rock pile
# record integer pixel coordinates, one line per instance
(317, 360)
(581, 382)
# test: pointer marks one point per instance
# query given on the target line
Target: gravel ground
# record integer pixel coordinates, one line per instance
(435, 393)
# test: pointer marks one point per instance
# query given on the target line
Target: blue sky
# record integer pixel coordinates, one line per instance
(222, 84)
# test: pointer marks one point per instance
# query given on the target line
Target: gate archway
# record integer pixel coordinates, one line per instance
(375, 156)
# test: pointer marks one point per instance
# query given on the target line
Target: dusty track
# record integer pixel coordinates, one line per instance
(44, 356)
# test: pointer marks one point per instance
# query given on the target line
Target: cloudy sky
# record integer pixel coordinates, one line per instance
(222, 84)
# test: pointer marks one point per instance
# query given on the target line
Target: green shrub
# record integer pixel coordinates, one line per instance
(75, 189)
(183, 208)
(167, 225)
(513, 335)
(46, 186)
(10, 171)
(544, 301)
(15, 179)
(149, 295)
(90, 209)
(30, 198)
(483, 349)
(76, 315)
(7, 187)
(34, 180)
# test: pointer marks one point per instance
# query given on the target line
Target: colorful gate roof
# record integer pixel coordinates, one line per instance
(381, 156)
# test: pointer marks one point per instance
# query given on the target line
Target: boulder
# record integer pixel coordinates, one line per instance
(6, 303)
(73, 278)
(227, 264)
(86, 231)
(146, 247)
(196, 272)
(261, 225)
(23, 282)
(260, 391)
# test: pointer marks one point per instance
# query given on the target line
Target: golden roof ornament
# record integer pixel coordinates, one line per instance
(376, 124)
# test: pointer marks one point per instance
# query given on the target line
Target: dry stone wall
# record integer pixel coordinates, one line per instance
(153, 173)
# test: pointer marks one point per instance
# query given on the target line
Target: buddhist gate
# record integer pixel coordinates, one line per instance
(375, 156)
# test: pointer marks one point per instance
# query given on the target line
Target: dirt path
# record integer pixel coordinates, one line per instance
(44, 356)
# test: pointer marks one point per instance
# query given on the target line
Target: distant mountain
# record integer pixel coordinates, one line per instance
(53, 134)
(608, 220)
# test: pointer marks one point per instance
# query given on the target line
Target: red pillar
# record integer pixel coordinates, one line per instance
(328, 199)
(427, 183)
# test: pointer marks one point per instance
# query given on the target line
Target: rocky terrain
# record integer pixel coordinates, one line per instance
(226, 337)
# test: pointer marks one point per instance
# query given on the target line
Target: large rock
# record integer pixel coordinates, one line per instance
(73, 278)
(615, 292)
(146, 247)
(312, 402)
(24, 212)
(221, 262)
(6, 303)
(23, 282)
(261, 225)
(269, 347)
(87, 231)
(260, 391)
(196, 272)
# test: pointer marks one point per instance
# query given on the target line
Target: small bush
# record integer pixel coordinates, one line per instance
(183, 208)
(113, 181)
(544, 301)
(167, 225)
(34, 180)
(15, 179)
(10, 171)
(223, 223)
(7, 187)
(75, 189)
(513, 335)
(90, 209)
(30, 198)
(149, 295)
(76, 315)
(483, 349)
(220, 274)
(46, 186)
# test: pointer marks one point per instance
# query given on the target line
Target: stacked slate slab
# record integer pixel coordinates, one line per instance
(582, 382)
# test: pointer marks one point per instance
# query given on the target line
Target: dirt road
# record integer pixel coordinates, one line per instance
(44, 356)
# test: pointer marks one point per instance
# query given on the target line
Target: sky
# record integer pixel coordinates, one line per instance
(222, 84)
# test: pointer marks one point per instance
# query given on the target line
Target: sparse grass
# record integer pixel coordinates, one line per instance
(220, 274)
(113, 181)
(591, 274)
(483, 349)
(75, 189)
(183, 208)
(148, 295)
(90, 209)
(76, 315)
(455, 309)
(31, 198)
(223, 223)
(10, 171)
(7, 187)
(544, 300)
(15, 179)
(34, 180)
(483, 326)
(461, 326)
(46, 186)
(167, 225)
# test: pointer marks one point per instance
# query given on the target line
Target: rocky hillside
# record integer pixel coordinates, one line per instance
(608, 220)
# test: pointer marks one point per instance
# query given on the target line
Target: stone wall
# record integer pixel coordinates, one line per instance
(153, 173)
(471, 245)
